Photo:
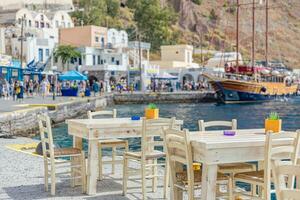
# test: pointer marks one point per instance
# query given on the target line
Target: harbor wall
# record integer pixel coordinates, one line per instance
(166, 97)
(24, 122)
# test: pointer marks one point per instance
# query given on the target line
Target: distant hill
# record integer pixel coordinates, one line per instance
(215, 20)
(219, 30)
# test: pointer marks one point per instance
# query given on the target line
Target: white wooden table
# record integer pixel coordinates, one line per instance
(95, 129)
(212, 148)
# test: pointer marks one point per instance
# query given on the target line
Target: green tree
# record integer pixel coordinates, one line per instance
(94, 12)
(113, 7)
(213, 15)
(66, 53)
(133, 4)
(155, 23)
(199, 2)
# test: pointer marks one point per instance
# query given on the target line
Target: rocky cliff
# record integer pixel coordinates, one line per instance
(215, 20)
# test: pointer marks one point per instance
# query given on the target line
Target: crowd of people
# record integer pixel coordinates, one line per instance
(17, 90)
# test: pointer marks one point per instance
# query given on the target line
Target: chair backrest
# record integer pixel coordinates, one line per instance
(112, 113)
(179, 150)
(282, 191)
(280, 147)
(153, 134)
(46, 136)
(203, 125)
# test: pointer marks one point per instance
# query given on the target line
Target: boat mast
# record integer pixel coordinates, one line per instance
(253, 34)
(253, 40)
(237, 32)
(267, 32)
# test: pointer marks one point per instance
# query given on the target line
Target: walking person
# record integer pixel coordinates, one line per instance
(44, 87)
(14, 86)
(95, 87)
(20, 95)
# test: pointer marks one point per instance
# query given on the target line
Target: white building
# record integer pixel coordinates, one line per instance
(218, 61)
(56, 19)
(38, 4)
(96, 60)
(38, 45)
(117, 39)
(40, 35)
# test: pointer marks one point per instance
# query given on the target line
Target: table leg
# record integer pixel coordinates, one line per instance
(209, 182)
(93, 167)
(77, 143)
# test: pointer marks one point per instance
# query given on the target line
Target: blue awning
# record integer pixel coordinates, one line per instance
(72, 76)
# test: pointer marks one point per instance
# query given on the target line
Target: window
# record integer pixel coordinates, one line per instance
(36, 24)
(94, 60)
(41, 56)
(79, 61)
(62, 17)
(47, 52)
(97, 39)
(102, 41)
(29, 23)
(112, 59)
(42, 17)
(56, 24)
(99, 60)
(117, 62)
(42, 24)
(48, 25)
(20, 21)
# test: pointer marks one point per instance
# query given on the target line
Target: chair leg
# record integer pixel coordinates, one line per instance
(72, 173)
(230, 188)
(190, 194)
(100, 163)
(53, 181)
(143, 181)
(154, 173)
(46, 175)
(125, 175)
(114, 151)
(166, 180)
(83, 172)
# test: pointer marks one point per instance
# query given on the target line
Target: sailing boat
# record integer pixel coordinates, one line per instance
(252, 83)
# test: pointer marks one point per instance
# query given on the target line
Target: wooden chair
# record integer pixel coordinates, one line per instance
(179, 152)
(108, 143)
(275, 151)
(284, 191)
(51, 155)
(232, 168)
(152, 137)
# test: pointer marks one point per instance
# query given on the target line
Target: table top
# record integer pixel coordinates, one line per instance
(109, 122)
(216, 139)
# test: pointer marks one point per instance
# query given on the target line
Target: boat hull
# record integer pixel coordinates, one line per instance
(231, 96)
(236, 91)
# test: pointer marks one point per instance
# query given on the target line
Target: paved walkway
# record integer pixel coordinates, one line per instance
(21, 178)
(8, 105)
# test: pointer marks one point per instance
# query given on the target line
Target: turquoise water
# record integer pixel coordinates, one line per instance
(248, 116)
